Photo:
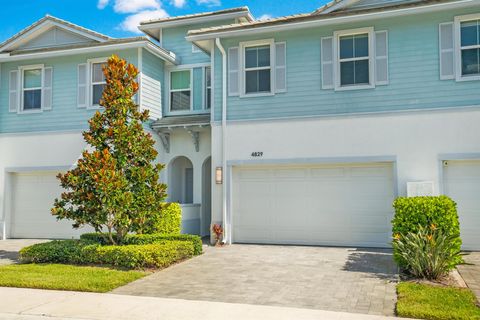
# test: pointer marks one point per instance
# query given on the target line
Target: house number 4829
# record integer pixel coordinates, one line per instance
(257, 154)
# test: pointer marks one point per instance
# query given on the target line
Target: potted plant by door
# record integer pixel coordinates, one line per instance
(218, 231)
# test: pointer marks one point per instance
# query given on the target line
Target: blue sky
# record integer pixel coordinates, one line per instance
(118, 18)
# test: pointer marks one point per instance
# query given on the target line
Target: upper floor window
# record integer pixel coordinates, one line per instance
(32, 89)
(208, 87)
(354, 59)
(180, 90)
(257, 69)
(470, 48)
(97, 82)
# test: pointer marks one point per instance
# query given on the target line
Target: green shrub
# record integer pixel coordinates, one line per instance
(59, 251)
(167, 221)
(412, 214)
(427, 253)
(100, 238)
(156, 255)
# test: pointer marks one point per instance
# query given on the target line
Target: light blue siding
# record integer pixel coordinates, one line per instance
(154, 68)
(64, 114)
(173, 39)
(197, 88)
(414, 81)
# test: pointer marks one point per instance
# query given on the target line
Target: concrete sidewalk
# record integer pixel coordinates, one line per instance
(31, 304)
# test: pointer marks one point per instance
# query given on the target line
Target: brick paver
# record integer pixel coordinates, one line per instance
(336, 279)
(470, 272)
(9, 249)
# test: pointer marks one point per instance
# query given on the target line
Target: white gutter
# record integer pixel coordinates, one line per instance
(224, 134)
(334, 20)
(170, 57)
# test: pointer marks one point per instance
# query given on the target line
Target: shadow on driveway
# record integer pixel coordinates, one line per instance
(376, 262)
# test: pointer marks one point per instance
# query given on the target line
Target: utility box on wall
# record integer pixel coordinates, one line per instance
(420, 189)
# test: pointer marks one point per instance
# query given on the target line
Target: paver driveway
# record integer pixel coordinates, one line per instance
(337, 279)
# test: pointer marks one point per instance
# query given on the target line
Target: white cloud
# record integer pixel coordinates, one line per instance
(132, 22)
(179, 3)
(265, 17)
(209, 3)
(132, 6)
(102, 4)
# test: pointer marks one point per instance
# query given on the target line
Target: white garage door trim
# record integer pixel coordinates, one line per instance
(470, 242)
(231, 165)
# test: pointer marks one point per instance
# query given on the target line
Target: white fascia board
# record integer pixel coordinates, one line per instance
(335, 20)
(189, 21)
(44, 27)
(68, 52)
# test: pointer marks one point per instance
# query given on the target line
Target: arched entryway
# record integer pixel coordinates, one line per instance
(180, 177)
(206, 196)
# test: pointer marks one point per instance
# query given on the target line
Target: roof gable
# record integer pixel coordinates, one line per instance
(352, 5)
(51, 32)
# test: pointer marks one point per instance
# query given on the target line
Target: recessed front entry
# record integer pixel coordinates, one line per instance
(342, 205)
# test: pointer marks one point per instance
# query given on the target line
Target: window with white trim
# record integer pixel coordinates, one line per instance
(32, 88)
(180, 90)
(208, 87)
(97, 81)
(470, 48)
(257, 69)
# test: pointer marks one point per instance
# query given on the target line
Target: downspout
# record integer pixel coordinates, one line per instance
(224, 140)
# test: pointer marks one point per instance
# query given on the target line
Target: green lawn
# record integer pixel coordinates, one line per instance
(437, 303)
(65, 277)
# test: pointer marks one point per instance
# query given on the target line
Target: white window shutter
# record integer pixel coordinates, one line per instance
(47, 88)
(381, 57)
(233, 71)
(446, 49)
(82, 86)
(327, 62)
(280, 67)
(13, 91)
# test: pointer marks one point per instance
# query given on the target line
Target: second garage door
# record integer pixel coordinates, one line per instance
(344, 205)
(33, 195)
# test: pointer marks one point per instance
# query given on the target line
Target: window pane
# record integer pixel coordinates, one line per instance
(208, 102)
(97, 93)
(97, 72)
(32, 99)
(264, 80)
(180, 80)
(347, 73)
(469, 33)
(251, 81)
(251, 58)
(208, 76)
(361, 72)
(346, 47)
(361, 45)
(470, 61)
(264, 56)
(32, 78)
(180, 100)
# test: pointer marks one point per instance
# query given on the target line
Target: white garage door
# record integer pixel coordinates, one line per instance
(462, 184)
(33, 195)
(345, 205)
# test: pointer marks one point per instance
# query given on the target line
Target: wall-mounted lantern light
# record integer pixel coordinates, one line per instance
(219, 175)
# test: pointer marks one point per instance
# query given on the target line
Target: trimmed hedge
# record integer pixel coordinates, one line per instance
(155, 255)
(412, 214)
(167, 221)
(101, 238)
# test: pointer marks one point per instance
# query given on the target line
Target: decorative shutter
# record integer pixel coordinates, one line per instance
(381, 57)
(47, 88)
(13, 92)
(280, 67)
(327, 62)
(233, 71)
(446, 49)
(82, 86)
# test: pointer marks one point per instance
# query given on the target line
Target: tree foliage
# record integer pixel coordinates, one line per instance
(115, 185)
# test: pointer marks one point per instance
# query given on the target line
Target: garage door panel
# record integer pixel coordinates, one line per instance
(324, 204)
(462, 184)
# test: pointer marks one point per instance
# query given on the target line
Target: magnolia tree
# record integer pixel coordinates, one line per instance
(115, 185)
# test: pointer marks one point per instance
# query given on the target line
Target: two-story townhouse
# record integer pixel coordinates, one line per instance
(294, 130)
